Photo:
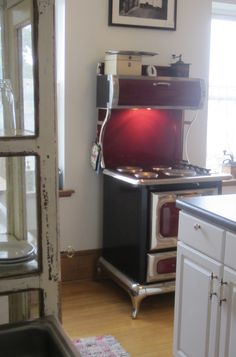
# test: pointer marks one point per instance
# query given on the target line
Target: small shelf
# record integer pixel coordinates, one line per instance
(66, 193)
(231, 182)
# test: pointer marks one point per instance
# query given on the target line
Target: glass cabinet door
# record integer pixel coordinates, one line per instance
(29, 252)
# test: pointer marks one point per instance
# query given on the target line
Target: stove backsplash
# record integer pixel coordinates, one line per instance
(142, 137)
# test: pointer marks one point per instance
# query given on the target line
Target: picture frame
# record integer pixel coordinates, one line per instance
(149, 14)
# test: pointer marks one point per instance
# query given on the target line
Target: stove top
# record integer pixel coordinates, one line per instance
(182, 172)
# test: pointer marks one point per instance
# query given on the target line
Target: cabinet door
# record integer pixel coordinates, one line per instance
(28, 158)
(230, 248)
(196, 307)
(228, 315)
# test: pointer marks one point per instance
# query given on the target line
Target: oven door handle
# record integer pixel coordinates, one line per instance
(190, 194)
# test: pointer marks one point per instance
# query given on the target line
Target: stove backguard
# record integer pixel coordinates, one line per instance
(142, 137)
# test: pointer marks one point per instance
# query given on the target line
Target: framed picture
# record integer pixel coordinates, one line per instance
(152, 14)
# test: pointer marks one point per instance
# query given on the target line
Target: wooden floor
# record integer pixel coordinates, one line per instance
(98, 308)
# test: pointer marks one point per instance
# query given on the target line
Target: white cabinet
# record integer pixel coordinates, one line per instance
(228, 298)
(230, 249)
(205, 301)
(228, 314)
(196, 308)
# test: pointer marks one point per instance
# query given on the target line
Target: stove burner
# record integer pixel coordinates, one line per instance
(129, 169)
(181, 169)
(146, 175)
(161, 168)
(179, 173)
(186, 166)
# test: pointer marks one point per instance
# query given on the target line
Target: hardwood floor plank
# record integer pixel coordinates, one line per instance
(91, 308)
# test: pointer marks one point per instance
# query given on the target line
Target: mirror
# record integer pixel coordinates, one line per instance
(18, 106)
(19, 214)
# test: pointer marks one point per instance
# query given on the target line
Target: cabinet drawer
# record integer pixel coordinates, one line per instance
(201, 235)
(230, 249)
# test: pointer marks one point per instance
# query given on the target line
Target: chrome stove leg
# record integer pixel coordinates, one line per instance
(136, 302)
(136, 291)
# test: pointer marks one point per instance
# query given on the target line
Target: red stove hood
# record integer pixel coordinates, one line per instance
(154, 92)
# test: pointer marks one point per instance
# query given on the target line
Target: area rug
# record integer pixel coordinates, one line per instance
(100, 346)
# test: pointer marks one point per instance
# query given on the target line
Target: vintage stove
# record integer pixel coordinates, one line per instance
(140, 146)
(140, 226)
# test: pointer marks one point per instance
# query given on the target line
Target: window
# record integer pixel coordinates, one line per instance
(26, 78)
(17, 116)
(222, 86)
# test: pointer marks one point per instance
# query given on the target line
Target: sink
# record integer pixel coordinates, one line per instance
(43, 337)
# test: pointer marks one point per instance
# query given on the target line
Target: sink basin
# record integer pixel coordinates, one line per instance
(43, 337)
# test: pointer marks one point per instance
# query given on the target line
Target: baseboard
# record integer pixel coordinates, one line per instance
(81, 266)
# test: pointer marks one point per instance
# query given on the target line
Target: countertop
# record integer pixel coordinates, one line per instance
(219, 210)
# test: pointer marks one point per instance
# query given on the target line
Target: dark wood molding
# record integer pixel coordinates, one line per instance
(81, 266)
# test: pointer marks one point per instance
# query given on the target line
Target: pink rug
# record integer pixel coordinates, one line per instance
(100, 346)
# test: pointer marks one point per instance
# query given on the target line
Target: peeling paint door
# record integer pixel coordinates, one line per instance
(29, 253)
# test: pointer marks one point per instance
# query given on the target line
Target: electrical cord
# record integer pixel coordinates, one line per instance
(190, 123)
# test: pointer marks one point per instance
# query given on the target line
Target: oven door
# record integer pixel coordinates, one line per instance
(165, 216)
(161, 266)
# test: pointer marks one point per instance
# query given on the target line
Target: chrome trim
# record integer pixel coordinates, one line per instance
(101, 135)
(113, 91)
(158, 199)
(179, 107)
(203, 93)
(136, 291)
(168, 181)
(157, 241)
(152, 260)
(157, 78)
(165, 84)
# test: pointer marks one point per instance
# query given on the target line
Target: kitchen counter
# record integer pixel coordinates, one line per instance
(219, 210)
(205, 290)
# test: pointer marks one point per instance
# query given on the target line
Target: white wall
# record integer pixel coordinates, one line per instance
(87, 38)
